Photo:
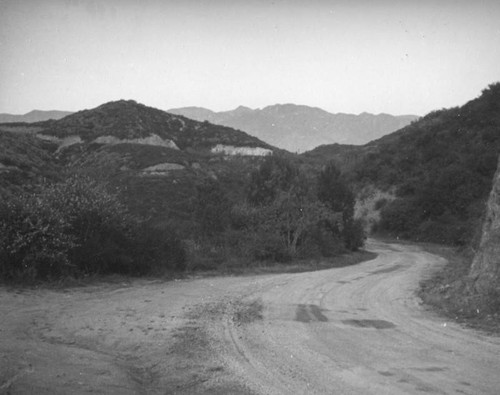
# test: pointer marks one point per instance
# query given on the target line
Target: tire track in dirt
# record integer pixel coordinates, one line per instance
(360, 330)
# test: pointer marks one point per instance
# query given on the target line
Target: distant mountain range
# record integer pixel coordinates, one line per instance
(296, 128)
(34, 116)
(299, 128)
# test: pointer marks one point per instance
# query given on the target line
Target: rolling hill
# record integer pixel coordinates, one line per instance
(154, 157)
(301, 128)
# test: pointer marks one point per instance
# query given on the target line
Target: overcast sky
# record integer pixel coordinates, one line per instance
(392, 56)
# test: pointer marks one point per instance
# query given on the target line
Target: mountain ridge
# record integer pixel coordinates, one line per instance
(34, 116)
(299, 128)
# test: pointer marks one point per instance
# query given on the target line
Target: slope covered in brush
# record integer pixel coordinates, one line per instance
(126, 119)
(440, 168)
(156, 158)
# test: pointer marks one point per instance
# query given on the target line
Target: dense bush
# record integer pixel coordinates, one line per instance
(275, 174)
(34, 240)
(99, 224)
(76, 228)
(291, 215)
(80, 227)
(335, 193)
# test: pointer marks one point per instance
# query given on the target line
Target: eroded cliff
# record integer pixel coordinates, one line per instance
(485, 269)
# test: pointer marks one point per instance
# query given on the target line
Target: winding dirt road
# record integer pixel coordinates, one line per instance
(351, 330)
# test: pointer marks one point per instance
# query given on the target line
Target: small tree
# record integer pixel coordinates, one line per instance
(275, 174)
(283, 206)
(293, 214)
(335, 193)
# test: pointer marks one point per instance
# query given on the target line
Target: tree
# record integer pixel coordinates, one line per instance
(275, 174)
(283, 205)
(335, 193)
(294, 213)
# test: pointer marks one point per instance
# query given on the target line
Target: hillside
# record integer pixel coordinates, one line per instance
(34, 116)
(155, 158)
(439, 170)
(301, 128)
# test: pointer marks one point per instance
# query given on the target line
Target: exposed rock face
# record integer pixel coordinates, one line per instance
(62, 142)
(242, 151)
(151, 140)
(162, 168)
(485, 269)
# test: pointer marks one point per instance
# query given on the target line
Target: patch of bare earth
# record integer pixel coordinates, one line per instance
(143, 337)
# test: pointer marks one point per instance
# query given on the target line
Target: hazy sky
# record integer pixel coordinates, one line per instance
(393, 56)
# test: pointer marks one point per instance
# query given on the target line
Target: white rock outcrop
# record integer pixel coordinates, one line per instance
(63, 143)
(241, 151)
(153, 139)
(162, 169)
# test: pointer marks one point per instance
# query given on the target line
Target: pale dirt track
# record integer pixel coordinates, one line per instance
(353, 330)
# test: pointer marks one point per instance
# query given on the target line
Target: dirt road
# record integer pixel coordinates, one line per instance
(352, 330)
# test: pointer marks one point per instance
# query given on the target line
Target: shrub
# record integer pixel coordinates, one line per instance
(99, 223)
(336, 194)
(34, 240)
(77, 227)
(354, 234)
(399, 217)
(275, 174)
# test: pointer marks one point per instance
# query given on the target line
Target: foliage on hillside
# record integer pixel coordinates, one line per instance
(80, 226)
(130, 120)
(115, 215)
(442, 166)
(280, 218)
(24, 161)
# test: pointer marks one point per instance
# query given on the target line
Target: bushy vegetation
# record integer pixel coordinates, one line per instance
(284, 215)
(442, 166)
(77, 228)
(80, 227)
